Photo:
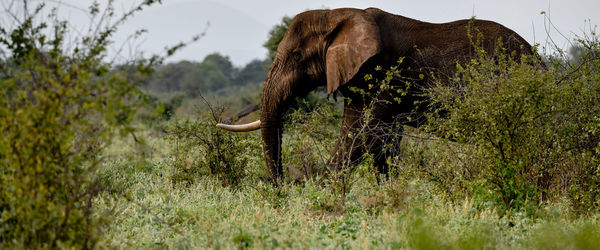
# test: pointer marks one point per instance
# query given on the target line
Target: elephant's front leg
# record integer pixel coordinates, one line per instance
(349, 147)
(360, 134)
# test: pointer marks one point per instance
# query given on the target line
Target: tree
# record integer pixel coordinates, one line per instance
(223, 63)
(213, 78)
(254, 72)
(584, 50)
(168, 78)
(276, 35)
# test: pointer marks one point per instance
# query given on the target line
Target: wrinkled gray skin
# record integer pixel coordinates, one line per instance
(336, 48)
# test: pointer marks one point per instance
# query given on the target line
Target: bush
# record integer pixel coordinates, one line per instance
(534, 129)
(312, 130)
(60, 105)
(202, 149)
(157, 111)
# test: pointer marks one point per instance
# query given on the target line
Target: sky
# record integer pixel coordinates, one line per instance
(238, 28)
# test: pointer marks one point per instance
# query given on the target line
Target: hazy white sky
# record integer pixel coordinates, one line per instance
(238, 28)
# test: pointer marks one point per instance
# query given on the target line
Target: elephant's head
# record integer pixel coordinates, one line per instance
(321, 47)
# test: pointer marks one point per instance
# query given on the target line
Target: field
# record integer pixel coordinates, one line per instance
(150, 211)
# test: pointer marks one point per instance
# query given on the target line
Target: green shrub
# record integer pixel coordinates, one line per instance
(309, 138)
(202, 149)
(157, 111)
(533, 129)
(60, 105)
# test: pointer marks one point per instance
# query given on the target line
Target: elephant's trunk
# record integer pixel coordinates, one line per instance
(271, 136)
(274, 101)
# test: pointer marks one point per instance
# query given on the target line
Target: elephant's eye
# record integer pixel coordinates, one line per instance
(296, 54)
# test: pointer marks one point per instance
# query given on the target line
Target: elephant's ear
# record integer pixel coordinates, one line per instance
(353, 41)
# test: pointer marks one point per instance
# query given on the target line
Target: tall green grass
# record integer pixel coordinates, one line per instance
(152, 212)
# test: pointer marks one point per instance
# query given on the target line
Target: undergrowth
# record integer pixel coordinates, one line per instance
(509, 161)
(531, 130)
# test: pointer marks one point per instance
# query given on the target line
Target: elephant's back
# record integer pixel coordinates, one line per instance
(490, 32)
(444, 45)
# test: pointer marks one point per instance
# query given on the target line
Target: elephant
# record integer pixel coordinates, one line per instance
(336, 48)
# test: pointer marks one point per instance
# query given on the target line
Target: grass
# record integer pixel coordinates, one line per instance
(149, 211)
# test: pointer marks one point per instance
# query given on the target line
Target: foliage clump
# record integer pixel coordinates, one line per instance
(312, 130)
(533, 129)
(61, 103)
(202, 149)
(276, 34)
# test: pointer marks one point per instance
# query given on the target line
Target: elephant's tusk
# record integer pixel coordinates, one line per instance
(240, 128)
